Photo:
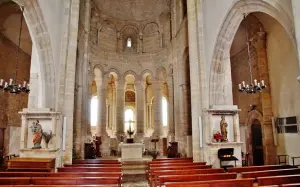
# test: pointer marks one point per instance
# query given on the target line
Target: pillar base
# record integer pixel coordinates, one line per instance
(105, 146)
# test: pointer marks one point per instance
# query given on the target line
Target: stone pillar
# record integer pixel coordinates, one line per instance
(157, 110)
(140, 108)
(183, 126)
(259, 41)
(24, 132)
(33, 94)
(114, 111)
(120, 85)
(171, 133)
(103, 118)
(98, 127)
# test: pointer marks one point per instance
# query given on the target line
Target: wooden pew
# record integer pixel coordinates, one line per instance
(75, 181)
(156, 174)
(61, 174)
(90, 169)
(286, 185)
(195, 177)
(214, 183)
(94, 161)
(165, 159)
(93, 165)
(277, 180)
(14, 180)
(33, 164)
(255, 174)
(149, 173)
(93, 185)
(169, 161)
(259, 168)
(178, 164)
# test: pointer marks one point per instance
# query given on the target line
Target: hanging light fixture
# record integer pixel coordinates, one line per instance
(253, 86)
(12, 86)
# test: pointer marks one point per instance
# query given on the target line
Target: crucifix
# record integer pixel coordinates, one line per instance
(130, 131)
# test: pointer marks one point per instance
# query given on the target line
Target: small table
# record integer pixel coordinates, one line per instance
(293, 158)
(286, 159)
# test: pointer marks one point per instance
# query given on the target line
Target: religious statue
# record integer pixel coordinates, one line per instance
(37, 130)
(223, 127)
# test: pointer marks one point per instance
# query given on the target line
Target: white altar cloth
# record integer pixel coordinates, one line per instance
(131, 151)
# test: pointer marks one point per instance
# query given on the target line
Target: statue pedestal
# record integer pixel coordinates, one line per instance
(49, 121)
(131, 151)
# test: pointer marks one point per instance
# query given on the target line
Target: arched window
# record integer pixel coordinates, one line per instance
(129, 42)
(94, 111)
(164, 108)
(128, 117)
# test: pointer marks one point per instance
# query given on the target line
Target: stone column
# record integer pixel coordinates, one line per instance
(114, 111)
(140, 106)
(259, 41)
(120, 85)
(157, 110)
(103, 118)
(33, 94)
(98, 127)
(171, 134)
(183, 125)
(24, 132)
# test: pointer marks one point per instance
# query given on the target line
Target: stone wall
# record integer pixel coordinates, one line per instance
(12, 104)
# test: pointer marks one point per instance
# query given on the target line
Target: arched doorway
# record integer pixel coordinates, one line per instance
(257, 143)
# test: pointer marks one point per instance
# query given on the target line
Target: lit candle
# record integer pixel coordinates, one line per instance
(240, 87)
(247, 86)
(6, 85)
(258, 85)
(255, 82)
(243, 83)
(10, 81)
(262, 82)
(20, 86)
(24, 84)
(1, 82)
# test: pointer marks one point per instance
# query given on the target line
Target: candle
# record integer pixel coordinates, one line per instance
(262, 82)
(247, 86)
(255, 82)
(10, 81)
(24, 84)
(20, 86)
(1, 82)
(6, 85)
(243, 83)
(240, 87)
(258, 85)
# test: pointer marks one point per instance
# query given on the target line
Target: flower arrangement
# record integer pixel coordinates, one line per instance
(154, 154)
(218, 136)
(47, 137)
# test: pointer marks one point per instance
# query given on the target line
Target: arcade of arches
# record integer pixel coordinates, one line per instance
(98, 68)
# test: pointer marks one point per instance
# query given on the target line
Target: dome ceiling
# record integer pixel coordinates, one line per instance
(133, 10)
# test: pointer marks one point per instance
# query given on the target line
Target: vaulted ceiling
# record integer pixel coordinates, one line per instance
(133, 10)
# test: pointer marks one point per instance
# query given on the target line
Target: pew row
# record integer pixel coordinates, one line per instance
(266, 173)
(259, 168)
(93, 165)
(115, 181)
(94, 161)
(214, 183)
(195, 177)
(90, 169)
(278, 180)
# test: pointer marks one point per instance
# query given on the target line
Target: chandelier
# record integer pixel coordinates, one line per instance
(253, 86)
(12, 85)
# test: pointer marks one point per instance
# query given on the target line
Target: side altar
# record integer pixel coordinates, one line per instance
(131, 151)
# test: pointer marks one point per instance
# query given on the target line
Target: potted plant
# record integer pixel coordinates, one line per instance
(154, 154)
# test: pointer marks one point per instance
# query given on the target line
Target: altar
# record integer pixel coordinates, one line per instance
(131, 151)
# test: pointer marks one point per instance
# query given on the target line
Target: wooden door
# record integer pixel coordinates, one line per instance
(165, 146)
(257, 144)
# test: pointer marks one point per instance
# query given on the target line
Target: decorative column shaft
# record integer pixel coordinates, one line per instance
(24, 132)
(171, 123)
(98, 127)
(158, 109)
(140, 108)
(120, 106)
(33, 94)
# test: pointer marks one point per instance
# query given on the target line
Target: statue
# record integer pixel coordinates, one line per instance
(223, 127)
(37, 130)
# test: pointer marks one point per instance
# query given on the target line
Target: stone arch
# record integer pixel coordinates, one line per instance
(130, 72)
(114, 71)
(41, 39)
(251, 117)
(161, 74)
(146, 73)
(132, 32)
(221, 55)
(151, 37)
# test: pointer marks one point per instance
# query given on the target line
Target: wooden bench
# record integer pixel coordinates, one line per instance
(169, 161)
(37, 164)
(15, 180)
(195, 177)
(166, 159)
(94, 161)
(93, 185)
(214, 183)
(90, 169)
(75, 181)
(259, 168)
(92, 165)
(61, 174)
(156, 174)
(177, 164)
(266, 173)
(277, 180)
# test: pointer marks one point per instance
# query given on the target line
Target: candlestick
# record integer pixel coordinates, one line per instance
(10, 81)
